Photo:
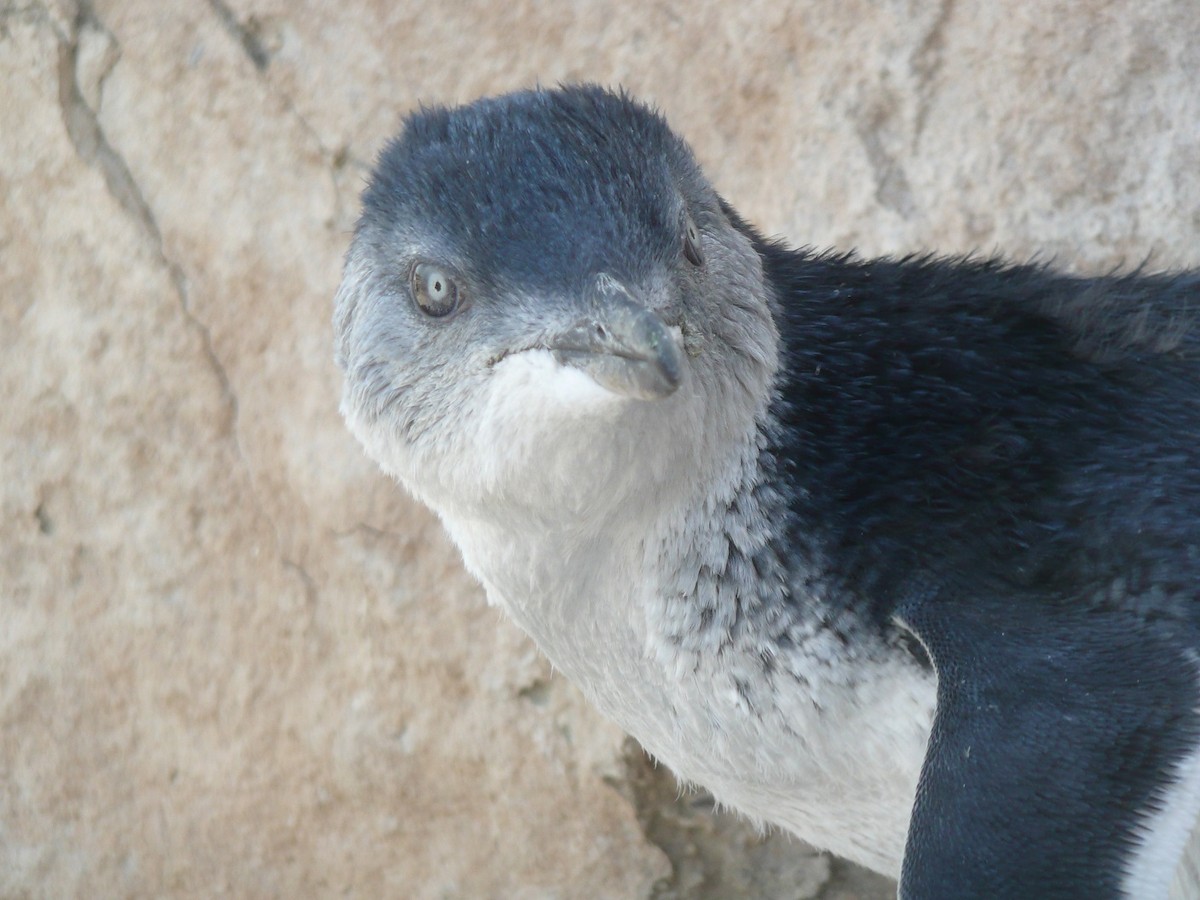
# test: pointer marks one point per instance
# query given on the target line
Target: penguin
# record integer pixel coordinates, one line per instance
(899, 554)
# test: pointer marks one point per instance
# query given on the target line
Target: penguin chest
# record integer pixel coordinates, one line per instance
(780, 719)
(831, 755)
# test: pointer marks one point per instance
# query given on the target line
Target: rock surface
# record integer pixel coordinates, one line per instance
(234, 659)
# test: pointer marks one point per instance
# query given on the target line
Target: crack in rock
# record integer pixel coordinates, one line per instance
(249, 40)
(311, 591)
(249, 36)
(892, 188)
(926, 63)
(93, 147)
(83, 129)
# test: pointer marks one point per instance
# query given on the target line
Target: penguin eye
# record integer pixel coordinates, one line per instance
(434, 290)
(691, 243)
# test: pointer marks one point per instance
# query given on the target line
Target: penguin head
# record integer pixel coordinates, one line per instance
(546, 302)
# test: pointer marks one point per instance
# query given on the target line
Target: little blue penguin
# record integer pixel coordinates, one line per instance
(900, 555)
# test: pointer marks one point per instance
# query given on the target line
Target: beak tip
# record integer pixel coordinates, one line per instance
(633, 354)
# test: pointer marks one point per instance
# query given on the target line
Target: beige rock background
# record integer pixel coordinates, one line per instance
(234, 659)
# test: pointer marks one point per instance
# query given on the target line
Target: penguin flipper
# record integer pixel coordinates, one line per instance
(1064, 760)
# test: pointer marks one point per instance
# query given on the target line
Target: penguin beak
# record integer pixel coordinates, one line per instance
(625, 348)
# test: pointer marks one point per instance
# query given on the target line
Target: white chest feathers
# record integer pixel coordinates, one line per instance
(772, 713)
(808, 738)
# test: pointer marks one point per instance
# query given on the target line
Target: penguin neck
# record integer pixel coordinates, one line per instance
(703, 567)
(736, 577)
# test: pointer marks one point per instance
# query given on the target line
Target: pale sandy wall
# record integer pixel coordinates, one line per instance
(234, 659)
